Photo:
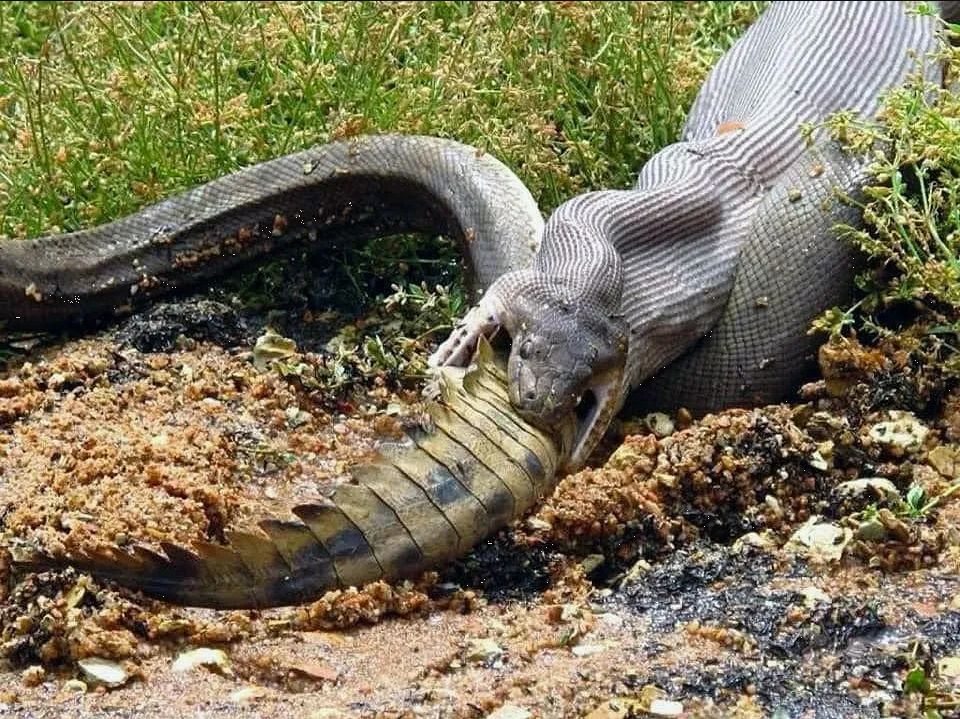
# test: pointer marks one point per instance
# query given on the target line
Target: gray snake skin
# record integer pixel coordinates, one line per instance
(694, 288)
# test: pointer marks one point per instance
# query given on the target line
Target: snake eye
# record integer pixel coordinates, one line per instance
(525, 349)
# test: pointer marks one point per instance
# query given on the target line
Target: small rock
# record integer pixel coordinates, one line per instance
(297, 417)
(822, 426)
(586, 650)
(483, 650)
(539, 525)
(871, 530)
(946, 460)
(202, 656)
(617, 708)
(495, 625)
(318, 671)
(103, 671)
(591, 562)
(272, 346)
(169, 627)
(813, 596)
(660, 424)
(510, 711)
(33, 676)
(329, 713)
(817, 461)
(75, 686)
(75, 595)
(666, 708)
(754, 539)
(902, 433)
(877, 487)
(949, 667)
(820, 540)
(245, 695)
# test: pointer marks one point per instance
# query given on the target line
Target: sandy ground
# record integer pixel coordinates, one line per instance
(663, 579)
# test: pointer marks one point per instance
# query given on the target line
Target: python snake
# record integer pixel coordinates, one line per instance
(695, 288)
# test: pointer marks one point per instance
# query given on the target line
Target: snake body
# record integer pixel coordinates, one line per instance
(722, 253)
(696, 287)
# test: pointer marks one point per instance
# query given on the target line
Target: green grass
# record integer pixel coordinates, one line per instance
(911, 216)
(106, 107)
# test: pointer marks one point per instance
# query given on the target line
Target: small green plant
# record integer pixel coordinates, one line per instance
(915, 503)
(920, 505)
(925, 681)
(916, 681)
(430, 311)
(910, 226)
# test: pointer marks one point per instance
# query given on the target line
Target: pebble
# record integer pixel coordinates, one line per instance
(817, 461)
(271, 346)
(33, 676)
(878, 486)
(591, 562)
(316, 670)
(900, 434)
(949, 667)
(666, 708)
(946, 460)
(813, 596)
(329, 713)
(483, 650)
(103, 671)
(660, 424)
(202, 656)
(871, 530)
(510, 711)
(586, 650)
(537, 524)
(245, 695)
(821, 540)
(761, 540)
(297, 417)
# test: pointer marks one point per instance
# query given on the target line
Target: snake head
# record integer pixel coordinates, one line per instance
(567, 355)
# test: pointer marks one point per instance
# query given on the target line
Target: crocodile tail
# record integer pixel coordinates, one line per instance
(467, 471)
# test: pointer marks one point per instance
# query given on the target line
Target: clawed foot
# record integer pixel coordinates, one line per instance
(458, 349)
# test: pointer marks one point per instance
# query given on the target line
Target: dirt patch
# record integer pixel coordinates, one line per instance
(731, 566)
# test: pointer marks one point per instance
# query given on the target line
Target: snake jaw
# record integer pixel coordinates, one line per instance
(593, 417)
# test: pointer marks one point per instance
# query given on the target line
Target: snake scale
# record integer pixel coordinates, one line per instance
(694, 288)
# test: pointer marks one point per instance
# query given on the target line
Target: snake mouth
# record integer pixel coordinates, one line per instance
(586, 412)
(593, 410)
